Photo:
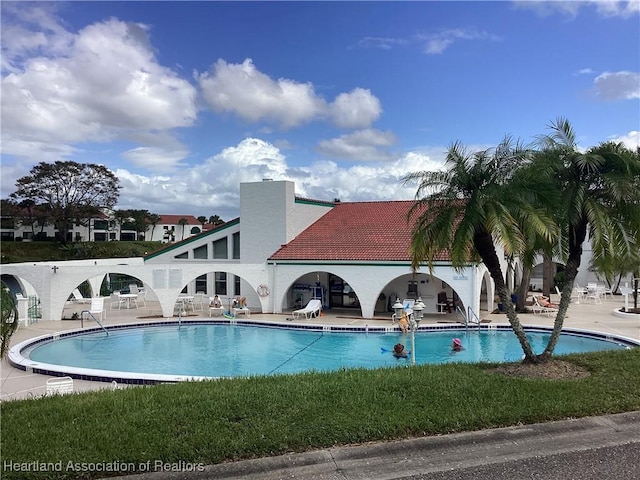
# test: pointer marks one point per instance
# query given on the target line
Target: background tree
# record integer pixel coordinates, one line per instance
(183, 222)
(215, 220)
(72, 192)
(8, 319)
(202, 219)
(139, 220)
(153, 219)
(472, 206)
(599, 199)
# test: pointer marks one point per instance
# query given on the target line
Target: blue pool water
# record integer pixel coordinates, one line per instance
(215, 350)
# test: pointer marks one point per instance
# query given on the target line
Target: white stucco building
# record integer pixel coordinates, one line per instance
(351, 255)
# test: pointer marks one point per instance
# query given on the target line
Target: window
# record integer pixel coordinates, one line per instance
(182, 256)
(100, 225)
(220, 248)
(201, 283)
(236, 245)
(99, 237)
(200, 252)
(7, 223)
(221, 283)
(127, 237)
(236, 285)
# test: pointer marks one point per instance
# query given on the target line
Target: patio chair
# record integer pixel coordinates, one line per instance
(96, 309)
(541, 307)
(198, 302)
(116, 300)
(443, 303)
(59, 386)
(78, 298)
(312, 309)
(578, 293)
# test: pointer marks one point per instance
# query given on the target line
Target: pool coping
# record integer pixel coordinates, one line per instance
(17, 360)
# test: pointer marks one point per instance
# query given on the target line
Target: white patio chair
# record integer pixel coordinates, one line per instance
(198, 302)
(593, 293)
(78, 298)
(96, 309)
(578, 293)
(116, 300)
(59, 386)
(538, 307)
(312, 309)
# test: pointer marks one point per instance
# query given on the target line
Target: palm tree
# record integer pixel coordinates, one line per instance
(153, 219)
(599, 198)
(182, 222)
(202, 219)
(473, 205)
(215, 220)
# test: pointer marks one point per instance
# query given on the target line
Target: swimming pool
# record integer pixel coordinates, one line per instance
(167, 351)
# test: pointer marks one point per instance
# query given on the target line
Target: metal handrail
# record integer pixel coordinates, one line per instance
(473, 314)
(461, 312)
(94, 318)
(468, 318)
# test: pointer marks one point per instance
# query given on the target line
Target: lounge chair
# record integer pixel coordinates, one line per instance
(311, 310)
(78, 298)
(59, 386)
(538, 307)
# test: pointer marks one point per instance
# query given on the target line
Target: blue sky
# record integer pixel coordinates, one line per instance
(185, 100)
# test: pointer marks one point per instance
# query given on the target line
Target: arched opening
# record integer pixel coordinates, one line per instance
(438, 296)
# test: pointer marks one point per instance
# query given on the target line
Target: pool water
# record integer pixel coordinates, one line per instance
(214, 350)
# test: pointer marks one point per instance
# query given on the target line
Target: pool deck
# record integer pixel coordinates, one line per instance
(18, 384)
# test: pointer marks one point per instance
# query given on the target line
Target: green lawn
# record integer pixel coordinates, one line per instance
(215, 421)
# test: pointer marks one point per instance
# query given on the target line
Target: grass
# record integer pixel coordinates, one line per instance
(216, 421)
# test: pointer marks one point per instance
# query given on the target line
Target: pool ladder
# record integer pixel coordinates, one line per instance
(94, 318)
(469, 318)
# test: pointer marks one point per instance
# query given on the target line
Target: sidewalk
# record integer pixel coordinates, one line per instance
(587, 448)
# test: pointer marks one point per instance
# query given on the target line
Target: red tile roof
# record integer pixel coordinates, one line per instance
(372, 231)
(175, 220)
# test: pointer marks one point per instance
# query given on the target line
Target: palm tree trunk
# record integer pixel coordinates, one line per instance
(523, 288)
(485, 248)
(576, 238)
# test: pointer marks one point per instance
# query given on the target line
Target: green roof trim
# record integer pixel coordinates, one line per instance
(182, 243)
(318, 203)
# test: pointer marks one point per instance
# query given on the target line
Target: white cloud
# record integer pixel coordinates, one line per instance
(100, 84)
(437, 43)
(356, 109)
(363, 145)
(383, 43)
(617, 85)
(584, 71)
(254, 96)
(630, 140)
(212, 188)
(606, 8)
(243, 90)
